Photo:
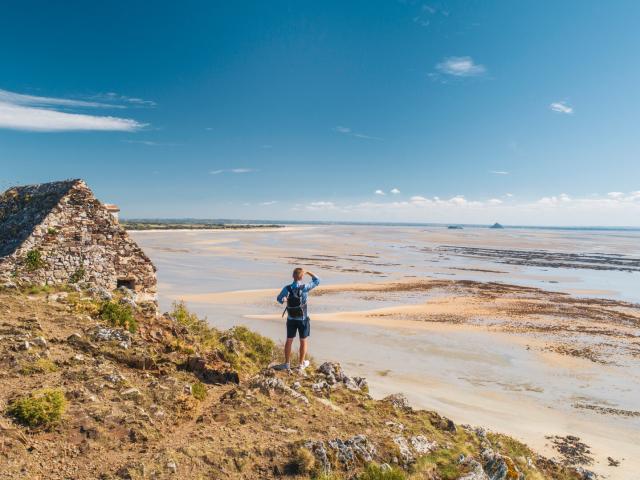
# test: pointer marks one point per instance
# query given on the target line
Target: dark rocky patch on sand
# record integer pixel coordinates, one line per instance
(607, 410)
(572, 450)
(545, 258)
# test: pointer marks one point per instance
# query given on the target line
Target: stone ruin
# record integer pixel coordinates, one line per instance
(58, 233)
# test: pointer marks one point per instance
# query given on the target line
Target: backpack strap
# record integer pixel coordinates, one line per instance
(289, 292)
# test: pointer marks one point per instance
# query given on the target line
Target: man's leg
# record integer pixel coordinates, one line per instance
(291, 335)
(287, 350)
(303, 350)
(305, 331)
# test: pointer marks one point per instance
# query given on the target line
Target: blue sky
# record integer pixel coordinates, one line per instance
(464, 111)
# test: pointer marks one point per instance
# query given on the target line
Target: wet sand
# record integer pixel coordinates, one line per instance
(441, 327)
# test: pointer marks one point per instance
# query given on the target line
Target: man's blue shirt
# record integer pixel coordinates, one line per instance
(306, 288)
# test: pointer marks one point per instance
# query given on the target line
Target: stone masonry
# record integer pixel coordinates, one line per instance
(58, 232)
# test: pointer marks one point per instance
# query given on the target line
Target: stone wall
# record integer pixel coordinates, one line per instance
(78, 241)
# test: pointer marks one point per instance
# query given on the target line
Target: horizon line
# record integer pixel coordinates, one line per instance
(199, 220)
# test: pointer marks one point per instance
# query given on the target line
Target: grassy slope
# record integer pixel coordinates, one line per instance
(143, 412)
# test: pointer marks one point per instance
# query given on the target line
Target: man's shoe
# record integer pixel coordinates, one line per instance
(304, 365)
(282, 366)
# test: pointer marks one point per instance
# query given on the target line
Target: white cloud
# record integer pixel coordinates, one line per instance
(379, 192)
(232, 170)
(458, 200)
(429, 14)
(47, 114)
(395, 191)
(16, 117)
(36, 101)
(367, 137)
(499, 172)
(123, 99)
(555, 200)
(271, 202)
(150, 143)
(321, 205)
(561, 209)
(561, 107)
(461, 67)
(351, 133)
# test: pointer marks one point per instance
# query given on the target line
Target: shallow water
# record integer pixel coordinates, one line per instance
(213, 261)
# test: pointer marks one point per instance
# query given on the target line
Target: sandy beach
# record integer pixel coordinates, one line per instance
(531, 333)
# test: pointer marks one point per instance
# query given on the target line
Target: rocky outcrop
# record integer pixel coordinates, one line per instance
(269, 383)
(334, 376)
(398, 401)
(346, 451)
(499, 467)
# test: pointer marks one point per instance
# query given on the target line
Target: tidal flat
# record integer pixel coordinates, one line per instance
(533, 333)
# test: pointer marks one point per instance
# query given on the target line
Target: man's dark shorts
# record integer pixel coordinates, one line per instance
(301, 327)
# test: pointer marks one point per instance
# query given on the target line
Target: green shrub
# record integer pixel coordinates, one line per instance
(243, 349)
(199, 391)
(257, 347)
(118, 315)
(52, 231)
(206, 335)
(34, 260)
(446, 463)
(77, 275)
(36, 289)
(376, 472)
(42, 365)
(42, 408)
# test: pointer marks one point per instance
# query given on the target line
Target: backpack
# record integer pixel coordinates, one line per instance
(295, 306)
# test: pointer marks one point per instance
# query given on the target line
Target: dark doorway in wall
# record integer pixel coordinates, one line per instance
(127, 283)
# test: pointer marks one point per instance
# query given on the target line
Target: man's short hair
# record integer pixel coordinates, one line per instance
(298, 273)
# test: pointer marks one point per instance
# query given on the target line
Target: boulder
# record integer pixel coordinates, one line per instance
(354, 448)
(334, 375)
(100, 293)
(106, 334)
(268, 384)
(499, 467)
(477, 473)
(406, 456)
(320, 453)
(421, 445)
(397, 400)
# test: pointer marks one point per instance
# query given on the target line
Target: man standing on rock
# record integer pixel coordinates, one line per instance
(298, 320)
